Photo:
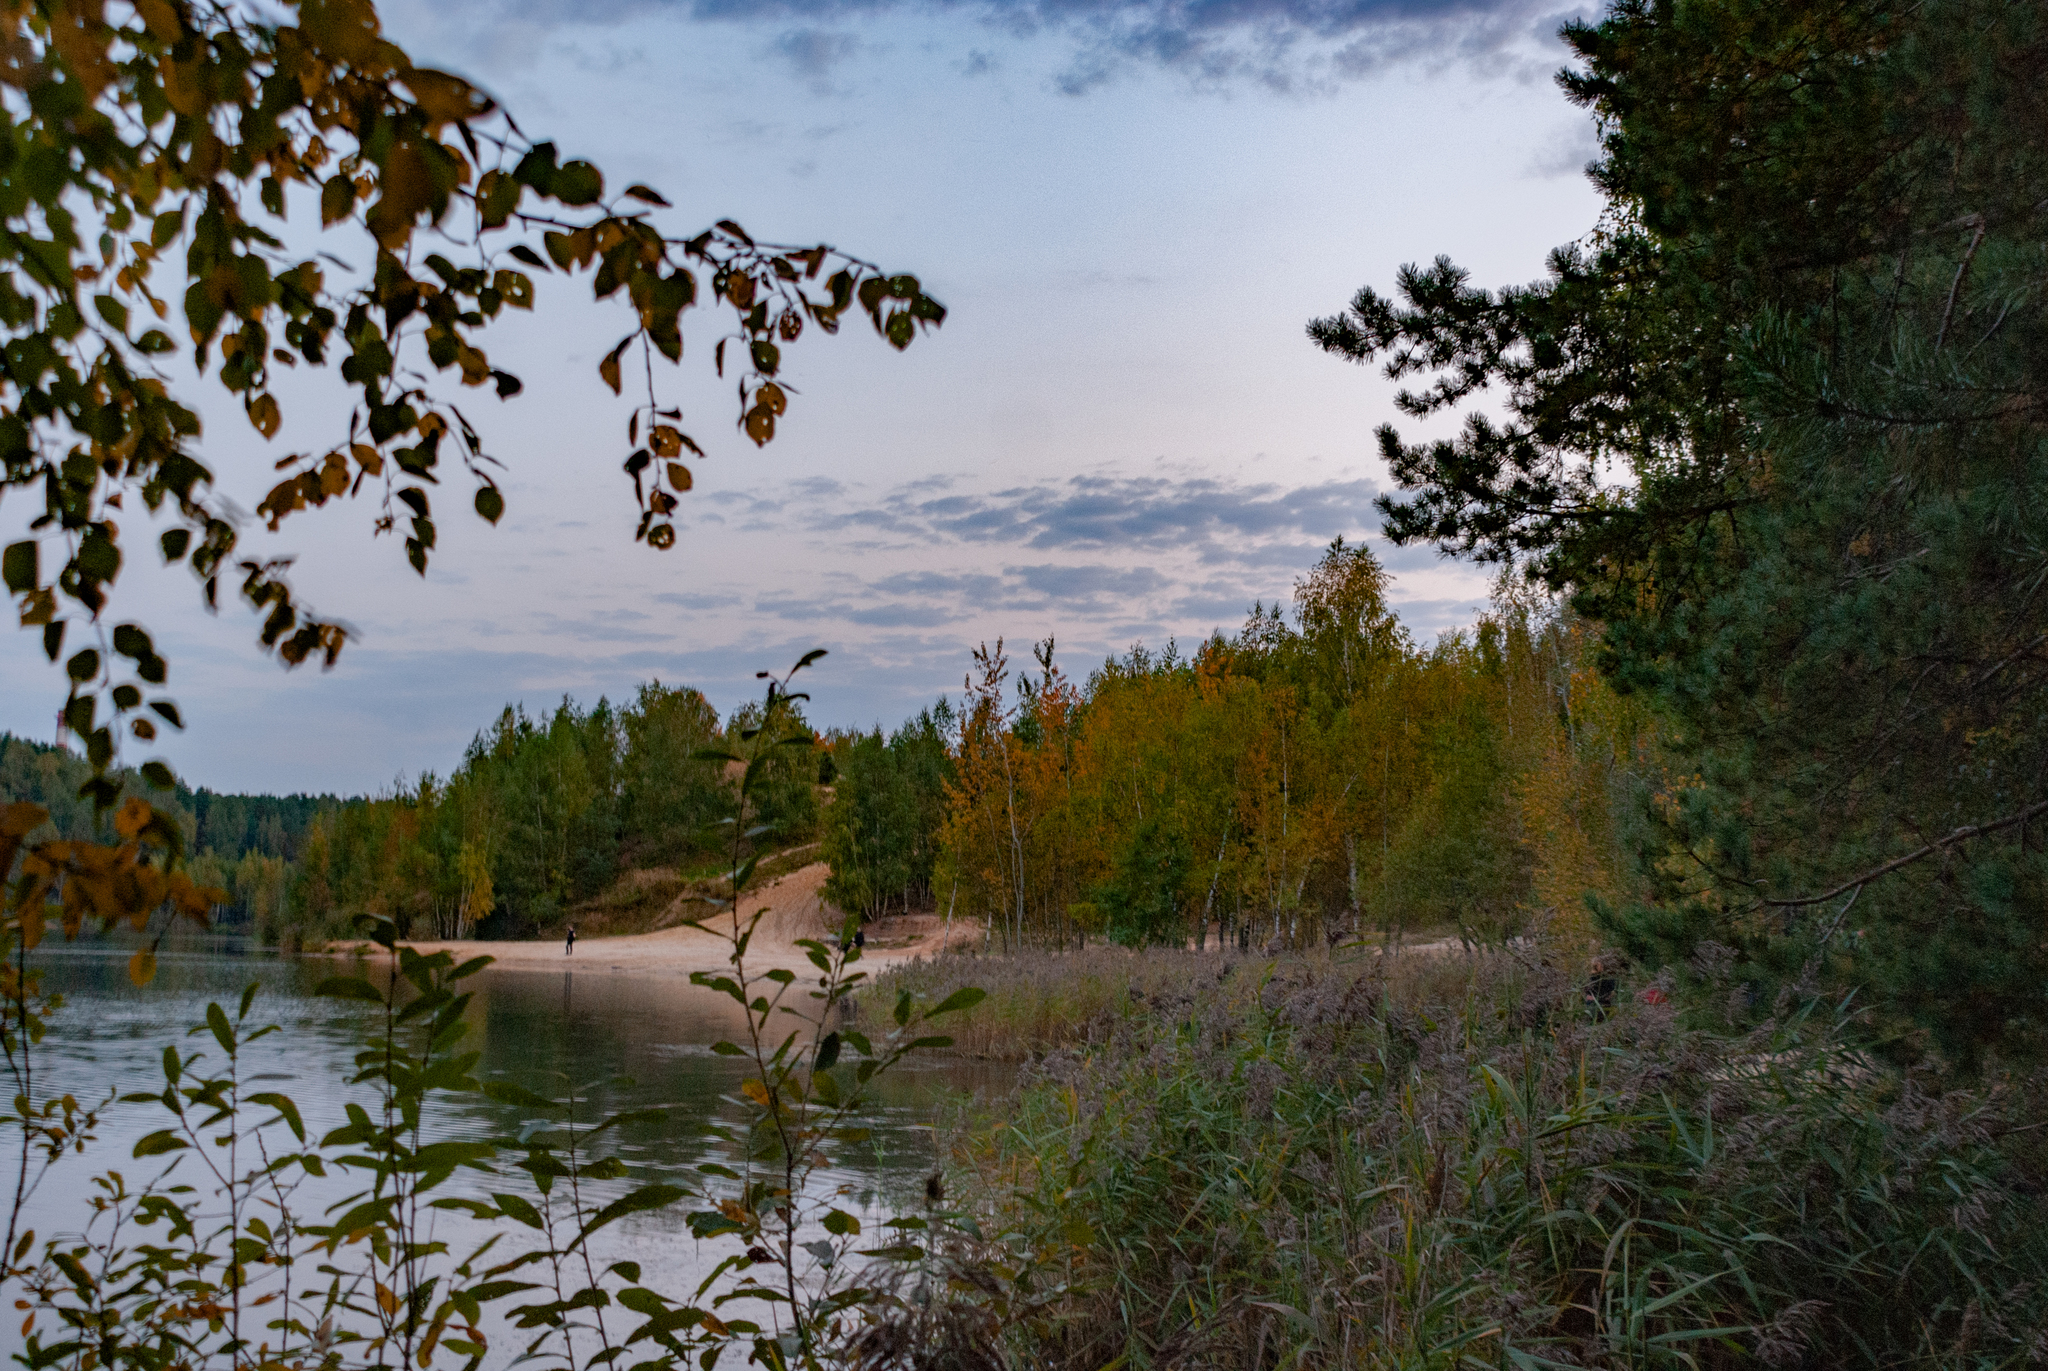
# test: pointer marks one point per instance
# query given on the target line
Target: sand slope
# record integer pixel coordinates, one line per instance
(795, 908)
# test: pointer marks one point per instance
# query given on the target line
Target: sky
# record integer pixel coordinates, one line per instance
(1131, 209)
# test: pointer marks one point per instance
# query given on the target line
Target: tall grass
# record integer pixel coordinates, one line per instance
(1439, 1161)
(1039, 1002)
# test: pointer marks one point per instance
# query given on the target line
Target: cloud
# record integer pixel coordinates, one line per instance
(1571, 147)
(1286, 45)
(1071, 583)
(813, 53)
(1219, 519)
(1112, 556)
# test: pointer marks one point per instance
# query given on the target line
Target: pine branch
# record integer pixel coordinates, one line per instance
(1962, 834)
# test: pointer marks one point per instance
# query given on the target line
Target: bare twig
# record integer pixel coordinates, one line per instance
(1955, 289)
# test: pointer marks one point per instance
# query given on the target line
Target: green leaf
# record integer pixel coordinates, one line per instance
(288, 1111)
(349, 988)
(841, 1224)
(709, 1223)
(578, 183)
(20, 566)
(630, 1116)
(900, 1252)
(966, 997)
(657, 1196)
(497, 1290)
(223, 1031)
(157, 1143)
(518, 1209)
(506, 1092)
(489, 503)
(131, 641)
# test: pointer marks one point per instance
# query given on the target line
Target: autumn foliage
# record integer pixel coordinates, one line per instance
(1311, 778)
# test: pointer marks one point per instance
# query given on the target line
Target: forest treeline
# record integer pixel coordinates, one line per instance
(246, 845)
(542, 814)
(1318, 774)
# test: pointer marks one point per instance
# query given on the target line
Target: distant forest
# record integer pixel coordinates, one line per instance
(245, 844)
(1316, 774)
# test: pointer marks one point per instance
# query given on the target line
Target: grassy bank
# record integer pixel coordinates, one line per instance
(1443, 1160)
(1040, 1002)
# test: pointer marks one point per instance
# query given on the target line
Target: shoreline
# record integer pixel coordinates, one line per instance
(792, 908)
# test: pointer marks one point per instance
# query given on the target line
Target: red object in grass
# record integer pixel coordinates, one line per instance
(1653, 996)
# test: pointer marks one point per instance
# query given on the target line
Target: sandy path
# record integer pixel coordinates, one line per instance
(795, 909)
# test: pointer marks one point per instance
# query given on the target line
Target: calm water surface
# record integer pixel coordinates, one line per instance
(627, 1042)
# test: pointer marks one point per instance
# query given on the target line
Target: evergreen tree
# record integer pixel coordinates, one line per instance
(1778, 426)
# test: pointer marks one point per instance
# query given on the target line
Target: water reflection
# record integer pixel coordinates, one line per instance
(620, 1042)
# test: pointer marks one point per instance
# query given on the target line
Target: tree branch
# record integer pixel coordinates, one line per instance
(1962, 834)
(1955, 289)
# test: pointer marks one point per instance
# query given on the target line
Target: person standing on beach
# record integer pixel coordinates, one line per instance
(569, 949)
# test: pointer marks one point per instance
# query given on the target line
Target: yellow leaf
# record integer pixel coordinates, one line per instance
(346, 29)
(160, 18)
(368, 458)
(386, 1301)
(264, 414)
(445, 98)
(21, 818)
(133, 817)
(334, 475)
(142, 967)
(756, 1092)
(679, 476)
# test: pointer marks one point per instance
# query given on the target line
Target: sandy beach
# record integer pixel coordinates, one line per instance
(794, 909)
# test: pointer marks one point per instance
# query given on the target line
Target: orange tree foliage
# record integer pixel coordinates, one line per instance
(154, 162)
(1307, 779)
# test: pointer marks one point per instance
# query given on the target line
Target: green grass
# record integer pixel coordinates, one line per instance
(1448, 1161)
(1038, 1002)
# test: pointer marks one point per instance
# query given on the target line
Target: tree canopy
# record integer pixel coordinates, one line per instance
(181, 188)
(1778, 426)
(183, 185)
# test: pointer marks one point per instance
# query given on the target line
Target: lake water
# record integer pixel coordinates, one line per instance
(645, 1040)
